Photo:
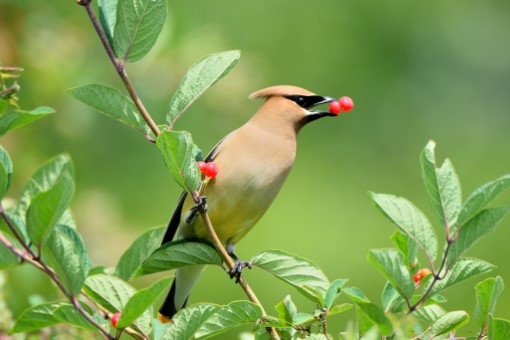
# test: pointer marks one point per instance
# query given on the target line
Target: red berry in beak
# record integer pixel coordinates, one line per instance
(335, 108)
(346, 103)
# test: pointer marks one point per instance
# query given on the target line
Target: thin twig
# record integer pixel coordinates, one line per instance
(119, 67)
(230, 263)
(437, 277)
(108, 314)
(15, 232)
(38, 263)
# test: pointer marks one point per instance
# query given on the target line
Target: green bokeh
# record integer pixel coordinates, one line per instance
(416, 71)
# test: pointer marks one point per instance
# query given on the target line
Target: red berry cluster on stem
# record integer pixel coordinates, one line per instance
(209, 169)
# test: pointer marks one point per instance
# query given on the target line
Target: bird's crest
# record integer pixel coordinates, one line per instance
(279, 90)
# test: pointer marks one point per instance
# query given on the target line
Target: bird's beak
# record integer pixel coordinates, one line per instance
(316, 114)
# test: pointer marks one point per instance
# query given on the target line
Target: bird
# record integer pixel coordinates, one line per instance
(254, 162)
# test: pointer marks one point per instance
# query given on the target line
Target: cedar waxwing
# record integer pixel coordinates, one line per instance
(253, 163)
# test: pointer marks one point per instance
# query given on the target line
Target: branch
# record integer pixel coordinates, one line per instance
(230, 263)
(437, 277)
(37, 262)
(135, 334)
(119, 67)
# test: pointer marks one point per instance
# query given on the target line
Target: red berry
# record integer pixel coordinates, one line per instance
(201, 166)
(335, 107)
(211, 169)
(420, 274)
(346, 103)
(424, 272)
(115, 319)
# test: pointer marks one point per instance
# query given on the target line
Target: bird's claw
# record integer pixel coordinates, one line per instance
(238, 268)
(200, 207)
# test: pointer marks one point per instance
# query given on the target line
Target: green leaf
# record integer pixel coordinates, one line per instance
(4, 104)
(142, 301)
(177, 150)
(429, 313)
(188, 320)
(302, 319)
(464, 269)
(304, 275)
(477, 227)
(5, 172)
(111, 102)
(390, 263)
(200, 76)
(66, 253)
(443, 186)
(68, 314)
(178, 254)
(18, 223)
(7, 258)
(113, 293)
(336, 309)
(108, 17)
(499, 329)
(50, 314)
(333, 292)
(409, 219)
(286, 310)
(137, 27)
(406, 245)
(36, 317)
(48, 207)
(391, 300)
(141, 248)
(233, 315)
(450, 192)
(449, 322)
(19, 118)
(43, 180)
(364, 325)
(109, 291)
(370, 310)
(482, 196)
(487, 294)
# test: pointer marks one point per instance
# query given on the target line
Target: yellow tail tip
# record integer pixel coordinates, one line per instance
(164, 319)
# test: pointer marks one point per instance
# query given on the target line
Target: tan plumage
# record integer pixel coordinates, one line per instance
(253, 163)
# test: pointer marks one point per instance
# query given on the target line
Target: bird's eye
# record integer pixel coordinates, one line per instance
(300, 101)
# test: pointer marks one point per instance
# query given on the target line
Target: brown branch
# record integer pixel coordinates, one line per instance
(119, 67)
(37, 262)
(108, 314)
(437, 277)
(15, 231)
(230, 263)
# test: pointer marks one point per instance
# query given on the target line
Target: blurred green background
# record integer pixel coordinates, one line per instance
(416, 71)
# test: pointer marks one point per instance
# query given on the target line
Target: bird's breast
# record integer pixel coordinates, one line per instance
(245, 187)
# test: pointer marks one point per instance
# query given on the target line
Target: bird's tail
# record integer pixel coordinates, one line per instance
(185, 279)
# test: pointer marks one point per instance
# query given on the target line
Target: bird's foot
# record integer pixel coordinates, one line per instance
(238, 268)
(200, 207)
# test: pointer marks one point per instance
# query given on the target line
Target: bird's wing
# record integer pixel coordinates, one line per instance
(173, 225)
(175, 220)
